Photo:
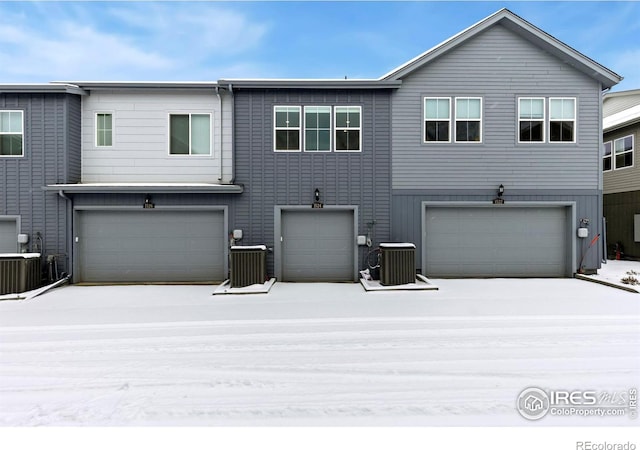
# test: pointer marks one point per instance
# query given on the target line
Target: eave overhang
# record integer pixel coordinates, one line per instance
(145, 188)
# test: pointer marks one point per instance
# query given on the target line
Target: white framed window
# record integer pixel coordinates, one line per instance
(531, 119)
(190, 134)
(468, 119)
(623, 152)
(607, 160)
(317, 128)
(287, 128)
(437, 119)
(348, 125)
(104, 129)
(562, 120)
(11, 133)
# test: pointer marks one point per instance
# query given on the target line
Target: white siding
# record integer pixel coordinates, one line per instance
(499, 66)
(140, 151)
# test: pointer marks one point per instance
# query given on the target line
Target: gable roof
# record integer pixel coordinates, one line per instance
(523, 28)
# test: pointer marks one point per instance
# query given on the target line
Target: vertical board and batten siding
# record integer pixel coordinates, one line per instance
(51, 155)
(271, 178)
(628, 178)
(140, 150)
(499, 66)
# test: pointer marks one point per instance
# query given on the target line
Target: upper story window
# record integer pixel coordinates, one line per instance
(287, 128)
(531, 119)
(562, 120)
(623, 152)
(347, 128)
(11, 133)
(317, 128)
(606, 159)
(190, 134)
(468, 119)
(437, 119)
(104, 130)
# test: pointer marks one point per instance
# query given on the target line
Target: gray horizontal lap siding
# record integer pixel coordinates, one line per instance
(498, 66)
(357, 179)
(407, 213)
(51, 146)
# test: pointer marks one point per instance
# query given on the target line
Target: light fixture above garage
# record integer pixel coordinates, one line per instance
(500, 190)
(147, 202)
(316, 199)
(499, 200)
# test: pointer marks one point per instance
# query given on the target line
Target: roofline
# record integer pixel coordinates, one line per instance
(41, 88)
(621, 93)
(607, 77)
(283, 83)
(621, 119)
(142, 85)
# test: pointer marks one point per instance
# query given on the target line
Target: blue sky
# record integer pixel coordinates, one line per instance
(205, 41)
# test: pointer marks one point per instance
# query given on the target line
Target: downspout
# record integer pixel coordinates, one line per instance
(221, 128)
(233, 137)
(69, 235)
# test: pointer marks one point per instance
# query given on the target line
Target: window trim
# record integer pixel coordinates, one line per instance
(95, 122)
(13, 133)
(544, 120)
(336, 128)
(574, 120)
(299, 128)
(455, 120)
(190, 154)
(610, 156)
(424, 119)
(303, 122)
(614, 166)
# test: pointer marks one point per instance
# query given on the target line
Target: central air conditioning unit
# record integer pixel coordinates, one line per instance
(248, 265)
(20, 272)
(397, 264)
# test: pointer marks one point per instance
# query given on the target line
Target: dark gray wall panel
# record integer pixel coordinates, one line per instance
(269, 178)
(8, 235)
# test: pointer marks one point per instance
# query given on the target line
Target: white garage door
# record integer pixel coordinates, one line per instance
(496, 242)
(150, 246)
(318, 245)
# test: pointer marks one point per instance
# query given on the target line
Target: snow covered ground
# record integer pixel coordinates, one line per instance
(314, 354)
(615, 271)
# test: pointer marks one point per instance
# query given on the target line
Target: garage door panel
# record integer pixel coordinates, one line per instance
(317, 245)
(151, 246)
(496, 241)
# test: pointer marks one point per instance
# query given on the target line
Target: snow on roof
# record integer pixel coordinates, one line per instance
(622, 118)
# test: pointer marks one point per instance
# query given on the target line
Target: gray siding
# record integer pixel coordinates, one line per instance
(48, 147)
(628, 178)
(618, 102)
(407, 213)
(498, 66)
(269, 178)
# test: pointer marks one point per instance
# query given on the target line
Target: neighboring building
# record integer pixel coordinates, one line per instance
(501, 103)
(307, 167)
(156, 192)
(39, 145)
(621, 173)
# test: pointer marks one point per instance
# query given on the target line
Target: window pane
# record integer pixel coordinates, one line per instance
(561, 131)
(200, 134)
(281, 119)
(531, 108)
(179, 134)
(311, 140)
(287, 140)
(11, 122)
(348, 140)
(562, 109)
(11, 145)
(624, 160)
(436, 108)
(467, 131)
(437, 131)
(607, 148)
(324, 140)
(606, 163)
(347, 116)
(530, 131)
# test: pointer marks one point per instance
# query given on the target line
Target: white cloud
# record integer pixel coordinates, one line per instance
(131, 41)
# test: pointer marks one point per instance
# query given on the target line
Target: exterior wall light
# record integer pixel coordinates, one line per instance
(317, 195)
(500, 190)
